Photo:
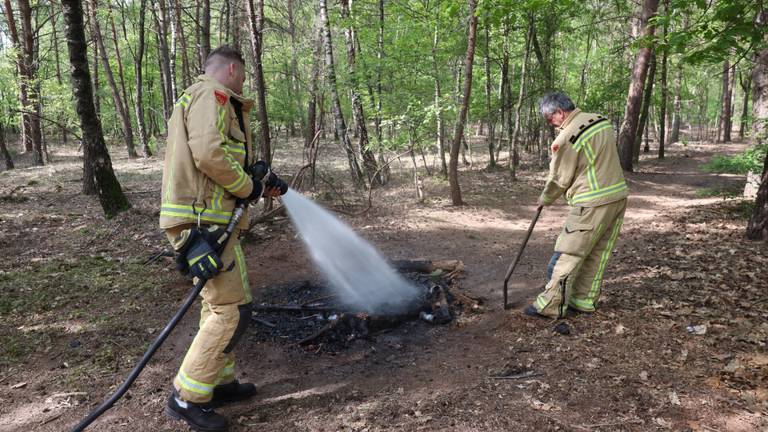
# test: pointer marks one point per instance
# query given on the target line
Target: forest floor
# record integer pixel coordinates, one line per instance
(679, 341)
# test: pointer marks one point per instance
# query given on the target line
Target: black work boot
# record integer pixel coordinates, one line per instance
(231, 392)
(199, 417)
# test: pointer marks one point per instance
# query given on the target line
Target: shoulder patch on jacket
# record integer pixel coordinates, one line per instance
(221, 97)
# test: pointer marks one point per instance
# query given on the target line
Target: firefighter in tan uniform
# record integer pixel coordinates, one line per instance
(207, 168)
(585, 168)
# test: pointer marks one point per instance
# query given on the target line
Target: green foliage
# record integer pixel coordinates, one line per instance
(750, 160)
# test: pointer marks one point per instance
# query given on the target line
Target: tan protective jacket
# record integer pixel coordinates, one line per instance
(207, 150)
(585, 163)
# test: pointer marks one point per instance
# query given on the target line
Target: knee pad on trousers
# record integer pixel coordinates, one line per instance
(242, 324)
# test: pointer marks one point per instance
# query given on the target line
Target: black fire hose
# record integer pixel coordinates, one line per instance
(520, 254)
(237, 214)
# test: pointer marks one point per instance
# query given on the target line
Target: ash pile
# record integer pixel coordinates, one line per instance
(310, 316)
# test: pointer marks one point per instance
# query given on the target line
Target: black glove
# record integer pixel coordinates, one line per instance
(265, 178)
(274, 181)
(197, 255)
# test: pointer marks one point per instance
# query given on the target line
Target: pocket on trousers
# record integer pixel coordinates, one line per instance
(575, 238)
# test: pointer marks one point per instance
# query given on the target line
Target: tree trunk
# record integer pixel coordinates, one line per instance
(313, 90)
(121, 108)
(757, 227)
(4, 149)
(179, 27)
(111, 196)
(139, 102)
(363, 152)
(664, 90)
(119, 60)
(644, 113)
(746, 86)
(724, 127)
(160, 13)
(14, 34)
(385, 172)
(504, 90)
(438, 107)
(94, 78)
(205, 29)
(256, 19)
(338, 116)
(453, 168)
(55, 42)
(514, 157)
(628, 130)
(489, 112)
(674, 133)
(294, 82)
(28, 68)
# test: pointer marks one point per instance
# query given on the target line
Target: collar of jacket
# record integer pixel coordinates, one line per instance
(570, 118)
(213, 82)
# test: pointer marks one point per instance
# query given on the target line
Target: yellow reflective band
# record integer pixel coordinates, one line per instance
(213, 261)
(237, 184)
(186, 212)
(189, 384)
(183, 101)
(228, 371)
(590, 154)
(541, 302)
(592, 177)
(595, 289)
(599, 193)
(234, 147)
(590, 133)
(243, 272)
(195, 259)
(218, 193)
(584, 305)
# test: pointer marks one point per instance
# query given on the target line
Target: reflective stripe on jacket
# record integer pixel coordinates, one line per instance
(206, 155)
(585, 163)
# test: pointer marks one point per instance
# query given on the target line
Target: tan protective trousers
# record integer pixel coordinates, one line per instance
(585, 245)
(206, 364)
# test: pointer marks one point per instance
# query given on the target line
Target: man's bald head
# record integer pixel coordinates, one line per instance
(227, 65)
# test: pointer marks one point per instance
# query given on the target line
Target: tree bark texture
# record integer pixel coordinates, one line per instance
(26, 45)
(724, 127)
(514, 157)
(364, 153)
(185, 67)
(139, 102)
(438, 107)
(491, 120)
(674, 133)
(628, 130)
(160, 13)
(338, 115)
(4, 149)
(664, 89)
(650, 80)
(757, 227)
(311, 124)
(108, 188)
(205, 30)
(121, 108)
(746, 87)
(256, 20)
(453, 168)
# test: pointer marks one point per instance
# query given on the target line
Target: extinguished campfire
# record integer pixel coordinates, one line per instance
(308, 315)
